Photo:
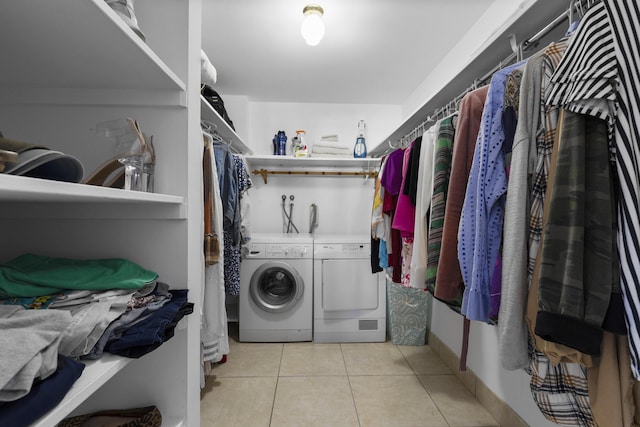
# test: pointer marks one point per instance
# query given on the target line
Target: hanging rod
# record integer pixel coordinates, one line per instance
(546, 30)
(527, 44)
(264, 172)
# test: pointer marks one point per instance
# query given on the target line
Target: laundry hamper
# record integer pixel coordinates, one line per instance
(408, 314)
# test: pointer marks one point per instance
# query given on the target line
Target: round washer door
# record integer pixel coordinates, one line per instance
(276, 286)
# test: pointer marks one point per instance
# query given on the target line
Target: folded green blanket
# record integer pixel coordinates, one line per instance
(32, 275)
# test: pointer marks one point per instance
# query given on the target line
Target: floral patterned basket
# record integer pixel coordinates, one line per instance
(408, 314)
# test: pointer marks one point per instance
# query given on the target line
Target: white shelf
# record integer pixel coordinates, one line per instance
(24, 189)
(94, 50)
(60, 57)
(95, 374)
(333, 162)
(210, 115)
(25, 197)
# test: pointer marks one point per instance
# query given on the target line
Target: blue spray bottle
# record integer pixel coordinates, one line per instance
(360, 148)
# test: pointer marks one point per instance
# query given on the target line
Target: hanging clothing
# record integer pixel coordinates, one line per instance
(391, 180)
(614, 395)
(423, 205)
(378, 230)
(625, 20)
(558, 376)
(227, 180)
(599, 77)
(480, 231)
(449, 284)
(407, 255)
(232, 235)
(404, 218)
(561, 392)
(380, 223)
(577, 271)
(512, 330)
(443, 153)
(211, 239)
(213, 333)
(533, 140)
(555, 352)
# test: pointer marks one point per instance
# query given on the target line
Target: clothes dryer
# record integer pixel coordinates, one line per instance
(276, 289)
(349, 300)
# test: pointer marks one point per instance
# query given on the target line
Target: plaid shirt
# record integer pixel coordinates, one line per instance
(544, 145)
(561, 391)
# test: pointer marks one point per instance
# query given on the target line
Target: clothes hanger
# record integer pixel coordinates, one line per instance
(580, 9)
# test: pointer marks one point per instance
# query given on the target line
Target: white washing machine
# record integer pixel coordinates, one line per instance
(276, 289)
(349, 300)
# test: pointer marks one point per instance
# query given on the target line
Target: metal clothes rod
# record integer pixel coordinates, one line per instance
(530, 42)
(264, 172)
(543, 32)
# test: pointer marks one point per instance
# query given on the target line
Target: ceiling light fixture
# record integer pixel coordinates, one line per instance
(312, 26)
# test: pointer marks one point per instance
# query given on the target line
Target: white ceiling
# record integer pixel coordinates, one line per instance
(373, 52)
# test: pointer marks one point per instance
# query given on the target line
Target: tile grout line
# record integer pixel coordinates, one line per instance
(353, 399)
(275, 391)
(423, 386)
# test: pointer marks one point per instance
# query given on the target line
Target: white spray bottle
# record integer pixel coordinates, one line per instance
(360, 148)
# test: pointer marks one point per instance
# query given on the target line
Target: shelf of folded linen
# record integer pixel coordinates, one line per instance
(331, 146)
(339, 162)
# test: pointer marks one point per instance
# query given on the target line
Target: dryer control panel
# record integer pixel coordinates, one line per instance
(341, 250)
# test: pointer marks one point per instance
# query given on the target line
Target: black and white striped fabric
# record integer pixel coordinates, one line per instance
(600, 76)
(625, 21)
(584, 81)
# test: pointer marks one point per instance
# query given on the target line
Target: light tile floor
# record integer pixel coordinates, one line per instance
(359, 385)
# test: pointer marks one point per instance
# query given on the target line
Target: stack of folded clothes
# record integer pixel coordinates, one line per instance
(330, 146)
(57, 311)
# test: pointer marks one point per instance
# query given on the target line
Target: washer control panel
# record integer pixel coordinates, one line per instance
(284, 250)
(277, 250)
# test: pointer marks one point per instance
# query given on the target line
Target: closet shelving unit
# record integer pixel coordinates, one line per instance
(68, 65)
(209, 115)
(529, 19)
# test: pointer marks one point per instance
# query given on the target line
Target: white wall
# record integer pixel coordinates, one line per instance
(267, 118)
(344, 201)
(482, 358)
(488, 27)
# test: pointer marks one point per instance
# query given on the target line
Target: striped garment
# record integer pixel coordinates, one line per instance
(625, 20)
(441, 173)
(599, 76)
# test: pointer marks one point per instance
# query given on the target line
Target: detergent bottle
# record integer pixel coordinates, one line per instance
(299, 144)
(360, 147)
(282, 143)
